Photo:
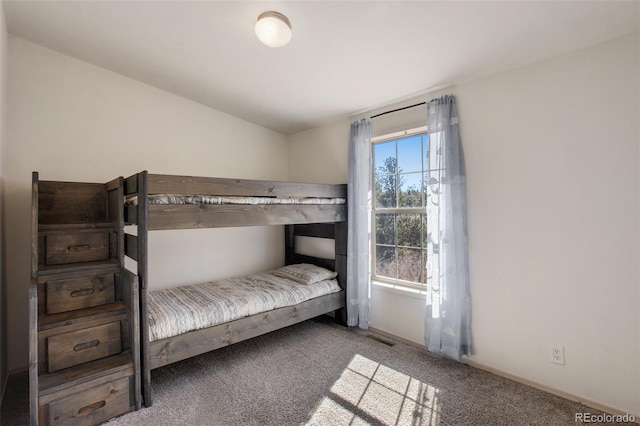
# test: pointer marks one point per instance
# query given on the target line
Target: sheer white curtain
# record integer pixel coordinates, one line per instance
(359, 217)
(448, 311)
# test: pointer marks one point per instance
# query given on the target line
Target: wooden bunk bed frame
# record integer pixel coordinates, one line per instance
(320, 221)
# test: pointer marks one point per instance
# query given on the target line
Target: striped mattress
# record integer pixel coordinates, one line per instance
(178, 310)
(170, 199)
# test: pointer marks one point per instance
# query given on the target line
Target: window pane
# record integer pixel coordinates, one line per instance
(385, 229)
(409, 227)
(410, 190)
(386, 261)
(386, 191)
(385, 157)
(410, 266)
(410, 154)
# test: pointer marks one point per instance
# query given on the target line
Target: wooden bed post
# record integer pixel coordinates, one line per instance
(33, 307)
(341, 266)
(289, 244)
(143, 269)
(116, 213)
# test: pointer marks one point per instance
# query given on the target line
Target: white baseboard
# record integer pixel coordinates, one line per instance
(566, 395)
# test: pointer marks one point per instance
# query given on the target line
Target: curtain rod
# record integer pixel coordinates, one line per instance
(399, 109)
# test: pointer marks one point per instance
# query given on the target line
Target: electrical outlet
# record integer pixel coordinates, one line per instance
(556, 353)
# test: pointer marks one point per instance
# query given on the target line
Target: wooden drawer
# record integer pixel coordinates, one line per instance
(69, 294)
(84, 345)
(92, 406)
(75, 247)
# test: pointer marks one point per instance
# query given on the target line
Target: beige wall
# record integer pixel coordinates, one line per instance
(70, 120)
(552, 155)
(559, 208)
(321, 154)
(3, 130)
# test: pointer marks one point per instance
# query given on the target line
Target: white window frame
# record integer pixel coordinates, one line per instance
(386, 281)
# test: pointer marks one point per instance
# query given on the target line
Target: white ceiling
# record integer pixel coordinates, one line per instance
(345, 56)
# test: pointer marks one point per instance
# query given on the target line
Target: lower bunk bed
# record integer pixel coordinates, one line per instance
(190, 320)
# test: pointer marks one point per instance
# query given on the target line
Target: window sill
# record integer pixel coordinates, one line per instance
(400, 289)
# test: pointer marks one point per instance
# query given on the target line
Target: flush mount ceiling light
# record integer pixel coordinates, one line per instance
(273, 29)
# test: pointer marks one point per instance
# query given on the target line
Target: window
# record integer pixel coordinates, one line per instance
(399, 237)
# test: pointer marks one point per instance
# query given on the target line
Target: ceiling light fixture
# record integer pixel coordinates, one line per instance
(273, 29)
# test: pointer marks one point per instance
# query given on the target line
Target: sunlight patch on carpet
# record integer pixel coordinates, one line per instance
(368, 392)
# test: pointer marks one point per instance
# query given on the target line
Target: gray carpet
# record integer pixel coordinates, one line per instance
(319, 373)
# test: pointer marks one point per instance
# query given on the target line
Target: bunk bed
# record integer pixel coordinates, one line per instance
(162, 202)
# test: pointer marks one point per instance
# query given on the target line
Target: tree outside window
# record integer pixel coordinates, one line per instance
(399, 209)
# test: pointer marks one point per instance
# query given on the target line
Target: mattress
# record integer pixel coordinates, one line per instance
(178, 310)
(169, 199)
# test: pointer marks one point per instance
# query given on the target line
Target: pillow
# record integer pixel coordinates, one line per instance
(304, 273)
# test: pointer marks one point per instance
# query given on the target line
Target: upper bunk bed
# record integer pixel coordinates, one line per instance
(163, 202)
(187, 202)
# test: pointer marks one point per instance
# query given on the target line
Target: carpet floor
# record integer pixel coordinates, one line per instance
(319, 373)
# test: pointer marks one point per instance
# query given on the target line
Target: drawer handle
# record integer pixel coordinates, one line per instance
(80, 247)
(80, 293)
(92, 407)
(87, 345)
